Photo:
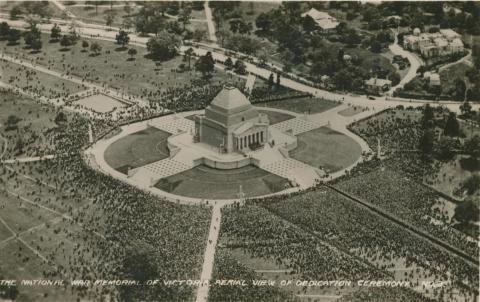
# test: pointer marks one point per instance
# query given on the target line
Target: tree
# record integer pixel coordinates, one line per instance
(426, 142)
(55, 33)
(446, 148)
(122, 38)
(4, 29)
(375, 46)
(458, 93)
(188, 56)
(472, 146)
(132, 52)
(228, 63)
(36, 44)
(198, 35)
(428, 117)
(66, 41)
(263, 22)
(270, 82)
(277, 83)
(12, 122)
(33, 37)
(61, 118)
(308, 24)
(127, 23)
(467, 211)
(127, 8)
(15, 12)
(13, 36)
(109, 18)
(466, 109)
(85, 45)
(452, 127)
(185, 15)
(240, 67)
(95, 48)
(163, 47)
(205, 64)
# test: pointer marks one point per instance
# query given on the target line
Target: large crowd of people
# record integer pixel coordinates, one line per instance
(119, 224)
(409, 201)
(328, 217)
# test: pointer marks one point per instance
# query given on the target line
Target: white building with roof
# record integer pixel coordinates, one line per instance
(324, 21)
(433, 78)
(377, 86)
(429, 45)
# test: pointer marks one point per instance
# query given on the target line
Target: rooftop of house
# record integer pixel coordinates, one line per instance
(323, 19)
(378, 82)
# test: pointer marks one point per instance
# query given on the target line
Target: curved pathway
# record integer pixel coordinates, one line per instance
(465, 59)
(415, 63)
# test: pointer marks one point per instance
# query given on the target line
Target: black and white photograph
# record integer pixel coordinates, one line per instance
(239, 151)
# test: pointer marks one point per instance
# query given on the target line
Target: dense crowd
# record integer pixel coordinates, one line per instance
(330, 218)
(409, 201)
(303, 252)
(137, 234)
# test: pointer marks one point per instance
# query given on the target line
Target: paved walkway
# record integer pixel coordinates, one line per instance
(210, 23)
(209, 256)
(26, 159)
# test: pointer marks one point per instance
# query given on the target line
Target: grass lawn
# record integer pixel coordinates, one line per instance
(327, 149)
(4, 232)
(137, 149)
(113, 67)
(302, 105)
(452, 73)
(36, 121)
(100, 103)
(276, 117)
(89, 15)
(7, 6)
(20, 263)
(209, 183)
(452, 174)
(37, 82)
(21, 215)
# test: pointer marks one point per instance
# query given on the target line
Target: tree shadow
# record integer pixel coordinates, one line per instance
(470, 164)
(121, 48)
(65, 49)
(130, 59)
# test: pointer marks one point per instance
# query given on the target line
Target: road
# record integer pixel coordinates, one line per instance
(218, 53)
(415, 63)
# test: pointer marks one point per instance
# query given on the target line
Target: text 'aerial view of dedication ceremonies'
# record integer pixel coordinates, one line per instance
(239, 151)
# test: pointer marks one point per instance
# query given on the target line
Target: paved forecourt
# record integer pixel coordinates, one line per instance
(185, 155)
